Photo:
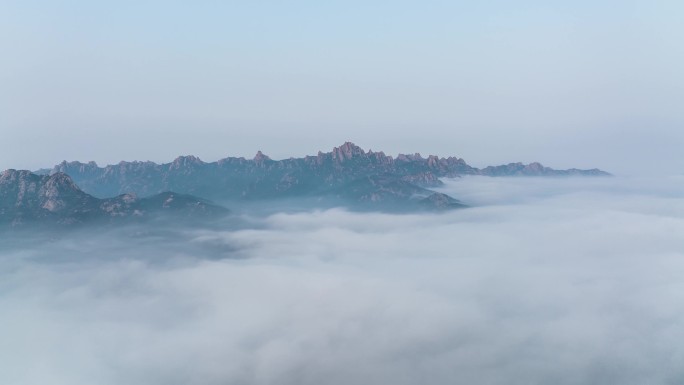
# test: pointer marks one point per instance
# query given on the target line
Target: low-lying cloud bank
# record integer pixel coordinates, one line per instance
(562, 281)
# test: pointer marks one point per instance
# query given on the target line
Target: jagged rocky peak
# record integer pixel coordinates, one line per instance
(186, 160)
(60, 181)
(12, 175)
(17, 184)
(409, 157)
(56, 189)
(347, 151)
(27, 191)
(55, 199)
(380, 157)
(56, 182)
(59, 190)
(74, 166)
(260, 157)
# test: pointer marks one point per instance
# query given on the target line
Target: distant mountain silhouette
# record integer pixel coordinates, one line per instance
(338, 173)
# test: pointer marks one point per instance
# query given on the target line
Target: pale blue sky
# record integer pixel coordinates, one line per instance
(569, 84)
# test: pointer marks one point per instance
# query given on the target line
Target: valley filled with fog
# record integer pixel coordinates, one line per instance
(541, 280)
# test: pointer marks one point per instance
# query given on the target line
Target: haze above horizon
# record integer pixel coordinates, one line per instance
(569, 85)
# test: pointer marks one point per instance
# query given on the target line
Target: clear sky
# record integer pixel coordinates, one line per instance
(567, 83)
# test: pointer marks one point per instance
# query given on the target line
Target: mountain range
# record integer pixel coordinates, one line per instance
(27, 198)
(261, 177)
(74, 192)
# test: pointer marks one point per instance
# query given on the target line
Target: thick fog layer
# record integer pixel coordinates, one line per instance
(555, 281)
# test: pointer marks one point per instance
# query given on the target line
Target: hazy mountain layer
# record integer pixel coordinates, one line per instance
(336, 173)
(75, 192)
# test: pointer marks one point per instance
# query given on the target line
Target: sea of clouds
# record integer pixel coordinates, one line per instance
(541, 281)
